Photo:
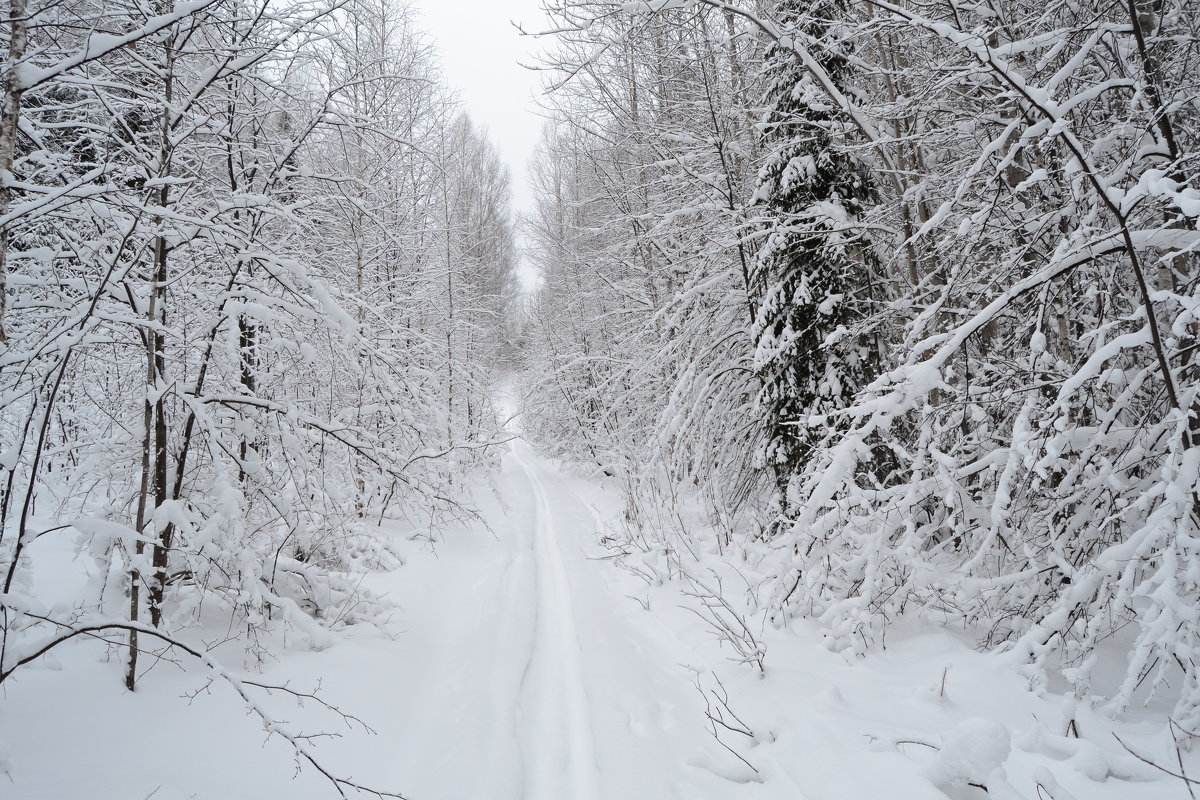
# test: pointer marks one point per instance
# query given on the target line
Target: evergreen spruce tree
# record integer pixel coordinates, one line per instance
(810, 274)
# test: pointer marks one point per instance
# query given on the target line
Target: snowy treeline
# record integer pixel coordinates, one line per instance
(906, 295)
(255, 266)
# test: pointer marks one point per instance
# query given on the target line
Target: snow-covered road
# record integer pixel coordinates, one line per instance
(549, 684)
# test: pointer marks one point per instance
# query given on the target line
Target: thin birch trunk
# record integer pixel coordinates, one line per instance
(9, 119)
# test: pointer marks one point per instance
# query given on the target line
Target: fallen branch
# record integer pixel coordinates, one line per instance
(95, 629)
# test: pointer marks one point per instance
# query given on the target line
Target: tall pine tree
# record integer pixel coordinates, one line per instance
(811, 271)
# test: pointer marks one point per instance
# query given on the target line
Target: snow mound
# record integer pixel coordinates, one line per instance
(971, 753)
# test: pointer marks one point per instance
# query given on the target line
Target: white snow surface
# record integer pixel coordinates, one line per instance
(523, 664)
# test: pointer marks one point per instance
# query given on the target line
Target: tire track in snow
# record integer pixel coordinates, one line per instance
(554, 716)
(502, 776)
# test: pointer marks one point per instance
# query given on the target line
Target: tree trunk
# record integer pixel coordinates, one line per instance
(9, 118)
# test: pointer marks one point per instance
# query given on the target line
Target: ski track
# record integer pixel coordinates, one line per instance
(554, 720)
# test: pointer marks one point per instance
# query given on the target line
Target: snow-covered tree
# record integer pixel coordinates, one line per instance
(224, 364)
(1001, 203)
(812, 275)
(644, 316)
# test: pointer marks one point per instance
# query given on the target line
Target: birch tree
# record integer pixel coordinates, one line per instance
(193, 381)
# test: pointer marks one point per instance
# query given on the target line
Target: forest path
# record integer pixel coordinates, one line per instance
(516, 665)
(554, 715)
(546, 681)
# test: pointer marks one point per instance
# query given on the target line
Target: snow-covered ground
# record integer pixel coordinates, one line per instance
(522, 664)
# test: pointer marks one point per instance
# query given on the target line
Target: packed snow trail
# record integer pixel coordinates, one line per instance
(537, 676)
(597, 703)
(558, 753)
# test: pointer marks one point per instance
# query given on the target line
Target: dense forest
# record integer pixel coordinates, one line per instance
(903, 296)
(254, 258)
(889, 308)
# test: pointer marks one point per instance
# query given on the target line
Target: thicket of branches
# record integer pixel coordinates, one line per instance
(255, 262)
(984, 340)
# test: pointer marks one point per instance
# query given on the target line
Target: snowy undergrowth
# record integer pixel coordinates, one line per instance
(922, 713)
(255, 698)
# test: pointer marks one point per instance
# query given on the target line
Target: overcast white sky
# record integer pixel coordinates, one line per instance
(482, 53)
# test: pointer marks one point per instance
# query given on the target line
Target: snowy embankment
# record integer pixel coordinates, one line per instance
(523, 664)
